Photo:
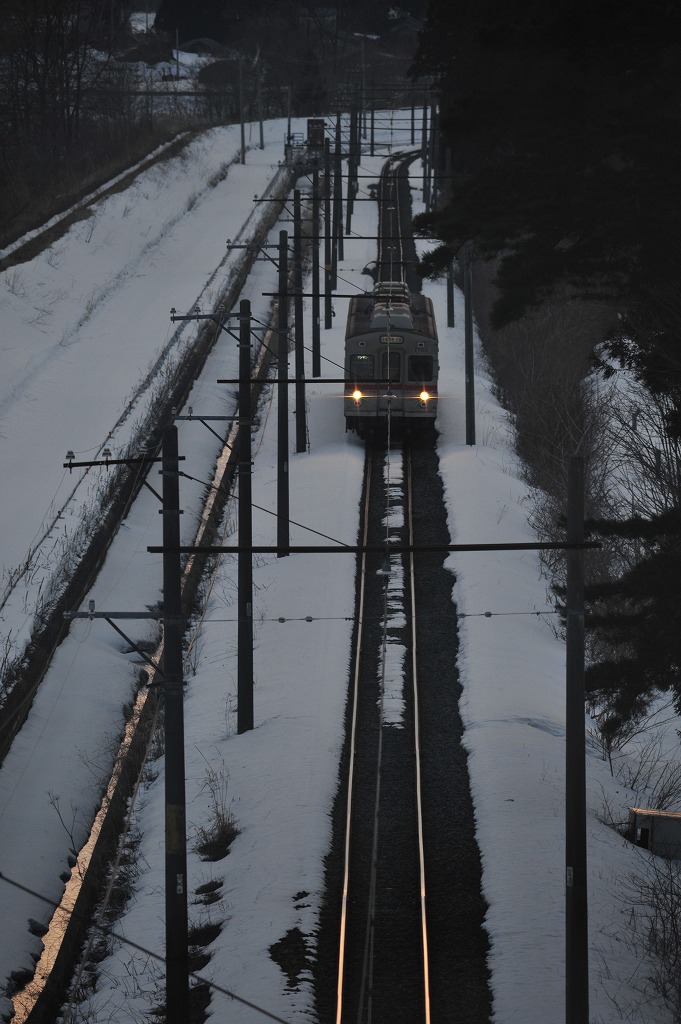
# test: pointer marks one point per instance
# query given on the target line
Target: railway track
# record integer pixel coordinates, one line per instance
(410, 941)
(383, 915)
(403, 934)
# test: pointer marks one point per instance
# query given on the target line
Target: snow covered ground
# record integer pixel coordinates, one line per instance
(82, 324)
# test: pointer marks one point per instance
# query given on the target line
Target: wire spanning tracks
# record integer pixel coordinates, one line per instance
(383, 968)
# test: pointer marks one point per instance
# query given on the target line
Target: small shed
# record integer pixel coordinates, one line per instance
(657, 831)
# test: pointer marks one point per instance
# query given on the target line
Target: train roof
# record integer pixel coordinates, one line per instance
(396, 290)
(398, 311)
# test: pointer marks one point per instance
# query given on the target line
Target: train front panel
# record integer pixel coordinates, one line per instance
(391, 364)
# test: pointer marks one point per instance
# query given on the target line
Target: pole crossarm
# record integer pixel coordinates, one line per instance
(313, 380)
(352, 237)
(332, 549)
(307, 295)
(151, 613)
(205, 420)
(220, 319)
(71, 464)
(254, 247)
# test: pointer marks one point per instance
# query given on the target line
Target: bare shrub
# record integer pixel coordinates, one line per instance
(652, 901)
(651, 775)
(214, 839)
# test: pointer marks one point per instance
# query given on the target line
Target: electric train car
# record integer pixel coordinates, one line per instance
(391, 361)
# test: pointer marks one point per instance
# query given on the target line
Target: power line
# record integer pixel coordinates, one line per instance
(143, 949)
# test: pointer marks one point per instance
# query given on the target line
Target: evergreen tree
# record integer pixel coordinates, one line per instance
(637, 619)
(563, 123)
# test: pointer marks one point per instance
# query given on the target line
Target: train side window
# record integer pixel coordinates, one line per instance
(420, 368)
(361, 367)
(390, 366)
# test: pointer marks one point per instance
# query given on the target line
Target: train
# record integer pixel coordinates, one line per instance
(391, 361)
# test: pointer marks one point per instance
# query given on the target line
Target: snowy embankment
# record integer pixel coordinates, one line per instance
(279, 779)
(105, 290)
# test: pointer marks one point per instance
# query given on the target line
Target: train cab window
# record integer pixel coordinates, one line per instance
(390, 366)
(361, 367)
(420, 368)
(392, 316)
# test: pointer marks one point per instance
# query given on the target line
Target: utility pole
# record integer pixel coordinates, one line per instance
(450, 293)
(245, 558)
(282, 401)
(242, 157)
(316, 341)
(353, 162)
(337, 203)
(424, 155)
(576, 911)
(433, 160)
(468, 342)
(262, 136)
(177, 953)
(329, 281)
(301, 433)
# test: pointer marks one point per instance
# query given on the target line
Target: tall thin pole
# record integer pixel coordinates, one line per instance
(372, 134)
(362, 96)
(424, 155)
(337, 202)
(301, 433)
(450, 294)
(434, 155)
(468, 343)
(329, 283)
(282, 401)
(242, 157)
(316, 354)
(245, 557)
(177, 953)
(352, 157)
(576, 916)
(288, 115)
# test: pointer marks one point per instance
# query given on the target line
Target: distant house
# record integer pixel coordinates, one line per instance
(657, 831)
(205, 45)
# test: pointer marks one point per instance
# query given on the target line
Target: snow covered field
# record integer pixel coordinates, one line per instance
(82, 323)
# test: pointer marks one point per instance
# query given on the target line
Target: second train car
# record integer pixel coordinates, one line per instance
(391, 361)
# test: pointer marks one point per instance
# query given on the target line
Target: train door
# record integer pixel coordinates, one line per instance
(391, 370)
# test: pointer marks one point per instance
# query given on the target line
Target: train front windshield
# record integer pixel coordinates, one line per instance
(361, 367)
(420, 369)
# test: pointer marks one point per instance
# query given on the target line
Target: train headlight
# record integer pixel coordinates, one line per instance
(425, 398)
(357, 396)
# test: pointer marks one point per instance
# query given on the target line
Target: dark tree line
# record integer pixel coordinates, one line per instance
(48, 67)
(563, 122)
(63, 100)
(230, 21)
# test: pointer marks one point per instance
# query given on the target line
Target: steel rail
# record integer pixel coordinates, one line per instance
(417, 744)
(351, 765)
